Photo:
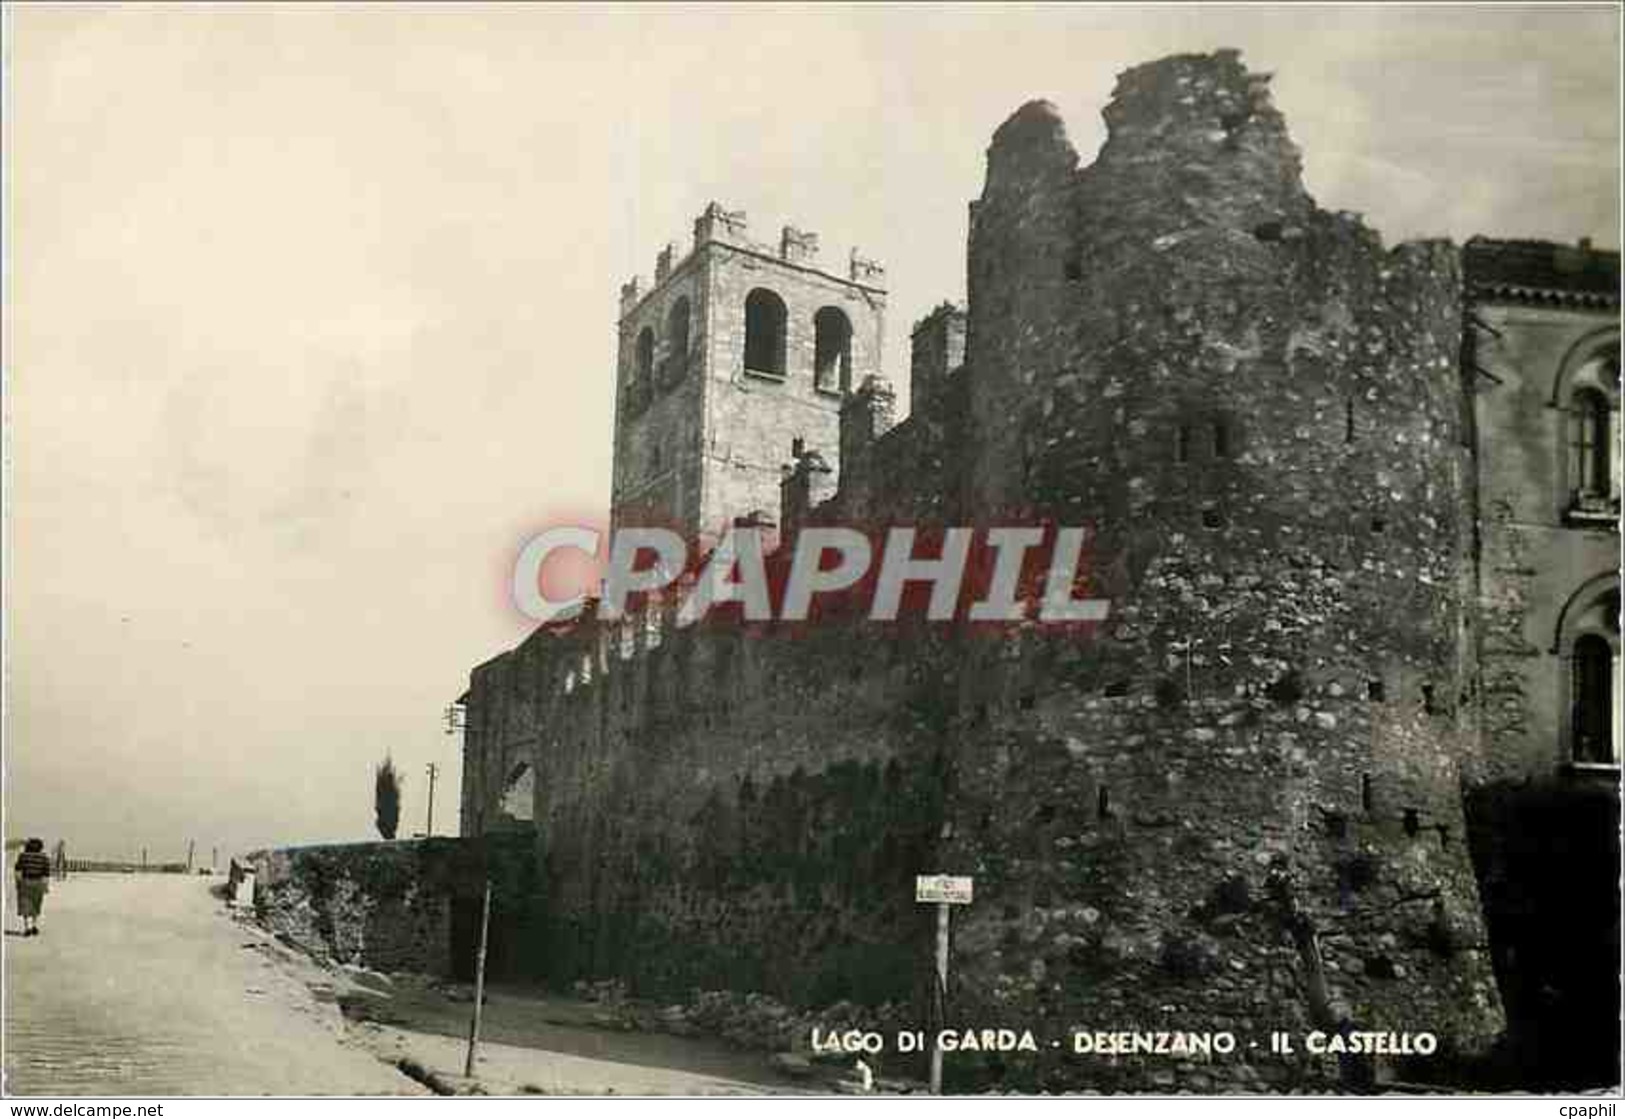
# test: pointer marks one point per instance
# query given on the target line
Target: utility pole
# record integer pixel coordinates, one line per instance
(428, 828)
(191, 846)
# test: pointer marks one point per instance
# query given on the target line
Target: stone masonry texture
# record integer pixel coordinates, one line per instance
(409, 906)
(1236, 804)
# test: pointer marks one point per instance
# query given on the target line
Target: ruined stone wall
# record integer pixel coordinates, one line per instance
(403, 905)
(719, 807)
(1257, 407)
(1234, 805)
(912, 473)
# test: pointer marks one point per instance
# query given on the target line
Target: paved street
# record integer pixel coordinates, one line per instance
(139, 986)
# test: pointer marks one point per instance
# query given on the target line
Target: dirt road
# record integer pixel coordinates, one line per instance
(138, 985)
(145, 985)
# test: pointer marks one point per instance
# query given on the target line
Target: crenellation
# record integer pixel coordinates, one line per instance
(663, 262)
(863, 270)
(630, 294)
(937, 350)
(798, 246)
(866, 415)
(1355, 510)
(718, 224)
(808, 482)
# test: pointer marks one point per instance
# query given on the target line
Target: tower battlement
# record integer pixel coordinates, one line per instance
(738, 350)
(1242, 793)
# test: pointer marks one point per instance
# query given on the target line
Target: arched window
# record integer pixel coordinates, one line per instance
(1587, 643)
(1586, 394)
(676, 367)
(1591, 700)
(832, 350)
(1589, 468)
(765, 319)
(643, 365)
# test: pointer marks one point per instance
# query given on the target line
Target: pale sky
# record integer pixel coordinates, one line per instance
(310, 316)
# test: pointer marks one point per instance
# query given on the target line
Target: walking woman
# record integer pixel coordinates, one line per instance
(33, 876)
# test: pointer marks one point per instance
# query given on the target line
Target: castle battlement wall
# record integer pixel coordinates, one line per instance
(1239, 797)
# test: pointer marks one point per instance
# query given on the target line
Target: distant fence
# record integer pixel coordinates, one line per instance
(97, 866)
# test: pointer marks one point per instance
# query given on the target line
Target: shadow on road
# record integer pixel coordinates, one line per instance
(526, 1020)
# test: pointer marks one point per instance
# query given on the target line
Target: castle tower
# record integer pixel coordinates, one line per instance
(1257, 407)
(738, 352)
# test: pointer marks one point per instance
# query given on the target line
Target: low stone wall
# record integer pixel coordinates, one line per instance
(407, 905)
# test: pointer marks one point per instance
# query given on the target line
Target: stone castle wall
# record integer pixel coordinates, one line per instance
(1258, 408)
(410, 906)
(1234, 805)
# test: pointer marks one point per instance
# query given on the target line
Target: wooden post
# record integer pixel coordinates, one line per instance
(479, 983)
(942, 986)
(191, 847)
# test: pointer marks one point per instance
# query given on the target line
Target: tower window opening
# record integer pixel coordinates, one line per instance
(765, 320)
(1591, 700)
(1348, 421)
(677, 341)
(643, 362)
(832, 350)
(1182, 443)
(1221, 440)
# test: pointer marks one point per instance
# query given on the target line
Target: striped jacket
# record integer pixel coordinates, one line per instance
(34, 864)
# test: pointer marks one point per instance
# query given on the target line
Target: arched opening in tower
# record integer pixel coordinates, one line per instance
(832, 350)
(765, 319)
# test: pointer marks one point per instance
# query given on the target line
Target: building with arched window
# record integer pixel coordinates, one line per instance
(1541, 373)
(737, 351)
(1356, 513)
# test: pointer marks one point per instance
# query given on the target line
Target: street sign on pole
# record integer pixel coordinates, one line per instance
(942, 890)
(946, 889)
